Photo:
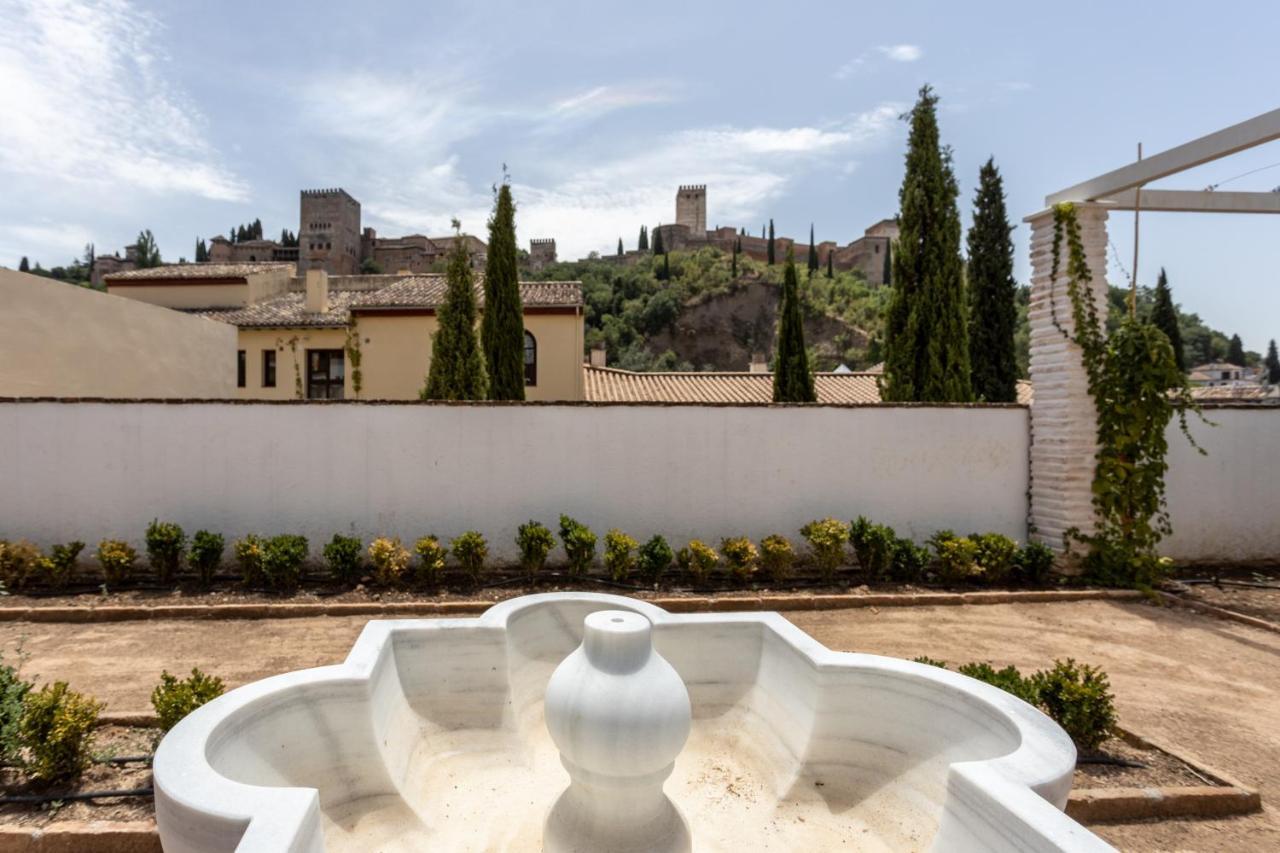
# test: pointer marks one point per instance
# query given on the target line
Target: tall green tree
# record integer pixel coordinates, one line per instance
(734, 270)
(1235, 351)
(926, 336)
(1164, 316)
(620, 252)
(1272, 363)
(457, 365)
(24, 265)
(813, 252)
(666, 266)
(658, 248)
(643, 243)
(993, 309)
(772, 258)
(792, 379)
(202, 251)
(148, 251)
(502, 323)
(831, 270)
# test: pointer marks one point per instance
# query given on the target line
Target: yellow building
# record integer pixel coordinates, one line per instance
(353, 337)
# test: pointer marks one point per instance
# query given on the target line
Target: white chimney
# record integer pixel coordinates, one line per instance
(598, 355)
(317, 291)
(759, 364)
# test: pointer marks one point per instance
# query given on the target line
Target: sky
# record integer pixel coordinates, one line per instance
(189, 118)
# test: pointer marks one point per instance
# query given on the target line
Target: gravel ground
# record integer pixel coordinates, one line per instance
(1208, 688)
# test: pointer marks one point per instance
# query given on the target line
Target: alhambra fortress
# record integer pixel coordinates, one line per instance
(330, 237)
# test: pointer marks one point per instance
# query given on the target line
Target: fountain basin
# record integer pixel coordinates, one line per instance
(432, 735)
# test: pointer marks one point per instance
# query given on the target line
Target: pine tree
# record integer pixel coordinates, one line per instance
(926, 339)
(658, 248)
(770, 251)
(993, 310)
(813, 252)
(1164, 316)
(148, 251)
(502, 324)
(457, 365)
(1235, 351)
(643, 244)
(831, 270)
(1272, 363)
(620, 252)
(24, 265)
(792, 380)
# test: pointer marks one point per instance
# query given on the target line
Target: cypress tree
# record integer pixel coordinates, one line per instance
(502, 323)
(1273, 364)
(148, 251)
(813, 252)
(1165, 318)
(831, 270)
(735, 261)
(1235, 351)
(257, 229)
(457, 365)
(926, 340)
(231, 235)
(993, 311)
(620, 252)
(792, 381)
(24, 265)
(666, 266)
(658, 248)
(771, 255)
(643, 243)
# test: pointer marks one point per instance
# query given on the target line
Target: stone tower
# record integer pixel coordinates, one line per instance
(691, 209)
(542, 253)
(329, 232)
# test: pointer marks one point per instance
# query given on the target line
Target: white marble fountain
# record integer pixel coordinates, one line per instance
(580, 722)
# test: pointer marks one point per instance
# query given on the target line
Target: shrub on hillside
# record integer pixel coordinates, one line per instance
(698, 559)
(343, 558)
(826, 538)
(60, 566)
(1007, 679)
(56, 730)
(19, 562)
(431, 555)
(1078, 697)
(165, 543)
(957, 556)
(390, 560)
(1034, 563)
(13, 691)
(116, 558)
(535, 542)
(174, 698)
(470, 551)
(777, 557)
(579, 544)
(249, 551)
(205, 554)
(655, 558)
(282, 559)
(619, 554)
(741, 556)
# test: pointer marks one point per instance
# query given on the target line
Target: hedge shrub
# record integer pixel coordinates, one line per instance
(390, 560)
(344, 558)
(282, 559)
(1007, 679)
(165, 544)
(873, 545)
(909, 561)
(13, 691)
(741, 556)
(60, 566)
(205, 554)
(535, 542)
(470, 551)
(698, 559)
(249, 552)
(655, 558)
(1079, 699)
(431, 556)
(174, 698)
(116, 558)
(777, 557)
(957, 556)
(19, 562)
(826, 538)
(995, 555)
(1034, 563)
(579, 544)
(619, 554)
(56, 730)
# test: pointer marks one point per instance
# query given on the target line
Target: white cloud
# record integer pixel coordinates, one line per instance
(606, 99)
(902, 52)
(84, 102)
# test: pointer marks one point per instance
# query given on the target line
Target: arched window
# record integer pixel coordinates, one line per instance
(530, 359)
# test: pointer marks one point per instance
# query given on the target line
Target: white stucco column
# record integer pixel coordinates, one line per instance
(1063, 418)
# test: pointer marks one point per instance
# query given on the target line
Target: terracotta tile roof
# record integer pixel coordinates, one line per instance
(419, 291)
(1239, 393)
(194, 271)
(607, 385)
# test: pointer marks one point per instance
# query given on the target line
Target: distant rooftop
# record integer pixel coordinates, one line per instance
(193, 271)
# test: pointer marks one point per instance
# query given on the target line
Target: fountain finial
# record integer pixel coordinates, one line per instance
(619, 713)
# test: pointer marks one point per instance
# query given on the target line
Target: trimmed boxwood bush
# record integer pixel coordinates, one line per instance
(390, 560)
(343, 558)
(431, 555)
(174, 698)
(994, 555)
(1007, 679)
(619, 554)
(957, 556)
(777, 557)
(282, 559)
(249, 551)
(873, 545)
(60, 566)
(165, 544)
(579, 544)
(19, 562)
(470, 550)
(741, 556)
(205, 554)
(56, 730)
(909, 561)
(826, 538)
(116, 558)
(655, 558)
(698, 559)
(13, 690)
(535, 542)
(1034, 562)
(1079, 699)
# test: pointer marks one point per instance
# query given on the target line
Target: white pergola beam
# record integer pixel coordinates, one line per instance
(1229, 140)
(1194, 201)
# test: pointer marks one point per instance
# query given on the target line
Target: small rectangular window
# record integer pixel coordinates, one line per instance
(240, 368)
(325, 374)
(268, 368)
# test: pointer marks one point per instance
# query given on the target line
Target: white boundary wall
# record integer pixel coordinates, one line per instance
(94, 470)
(1225, 506)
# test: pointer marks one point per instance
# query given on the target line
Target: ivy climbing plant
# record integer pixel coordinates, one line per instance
(354, 356)
(1137, 389)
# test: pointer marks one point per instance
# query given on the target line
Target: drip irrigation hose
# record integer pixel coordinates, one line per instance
(40, 799)
(1226, 582)
(1110, 759)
